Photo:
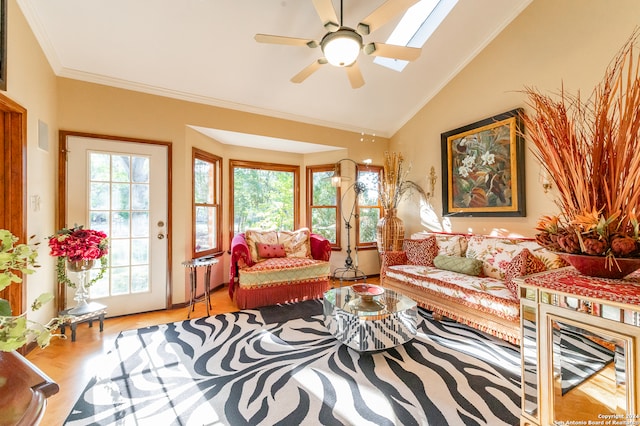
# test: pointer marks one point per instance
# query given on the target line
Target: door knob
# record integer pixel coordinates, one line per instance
(160, 236)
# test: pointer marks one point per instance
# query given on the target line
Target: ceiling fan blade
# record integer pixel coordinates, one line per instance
(355, 76)
(387, 11)
(307, 71)
(392, 51)
(289, 41)
(327, 14)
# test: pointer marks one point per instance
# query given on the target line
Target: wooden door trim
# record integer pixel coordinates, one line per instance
(14, 186)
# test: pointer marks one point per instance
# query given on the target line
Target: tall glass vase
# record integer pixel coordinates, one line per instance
(390, 232)
(81, 267)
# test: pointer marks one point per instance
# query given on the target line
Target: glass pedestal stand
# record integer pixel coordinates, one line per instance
(81, 267)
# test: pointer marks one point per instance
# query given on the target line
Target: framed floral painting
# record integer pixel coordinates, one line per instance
(483, 168)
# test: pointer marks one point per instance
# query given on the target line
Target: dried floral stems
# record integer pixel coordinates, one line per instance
(394, 183)
(591, 149)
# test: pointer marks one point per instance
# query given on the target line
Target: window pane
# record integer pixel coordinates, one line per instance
(368, 222)
(99, 221)
(370, 196)
(139, 279)
(120, 196)
(324, 194)
(120, 224)
(120, 168)
(205, 228)
(203, 181)
(119, 281)
(324, 223)
(119, 252)
(140, 197)
(99, 196)
(140, 222)
(99, 166)
(140, 172)
(140, 251)
(263, 199)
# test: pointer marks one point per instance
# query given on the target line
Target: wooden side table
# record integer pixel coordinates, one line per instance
(87, 313)
(193, 266)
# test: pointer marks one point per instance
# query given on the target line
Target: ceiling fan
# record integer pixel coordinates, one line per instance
(341, 45)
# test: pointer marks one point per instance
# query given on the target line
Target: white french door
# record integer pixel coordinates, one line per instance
(121, 188)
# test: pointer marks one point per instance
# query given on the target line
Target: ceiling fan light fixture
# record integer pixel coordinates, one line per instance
(342, 47)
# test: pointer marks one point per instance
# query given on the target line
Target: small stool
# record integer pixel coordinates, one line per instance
(193, 266)
(89, 312)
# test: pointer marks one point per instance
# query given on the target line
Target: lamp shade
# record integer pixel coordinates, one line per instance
(341, 48)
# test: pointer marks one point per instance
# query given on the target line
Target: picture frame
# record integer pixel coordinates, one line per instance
(3, 44)
(483, 168)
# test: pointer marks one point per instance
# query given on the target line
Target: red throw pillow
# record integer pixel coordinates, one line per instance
(267, 251)
(421, 252)
(523, 263)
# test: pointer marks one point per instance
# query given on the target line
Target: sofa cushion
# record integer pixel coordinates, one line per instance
(524, 263)
(484, 294)
(296, 243)
(283, 269)
(421, 252)
(463, 265)
(254, 236)
(267, 251)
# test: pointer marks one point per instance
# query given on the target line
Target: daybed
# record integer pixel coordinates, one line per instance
(468, 278)
(271, 267)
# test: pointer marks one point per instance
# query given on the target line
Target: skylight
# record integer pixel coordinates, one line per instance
(415, 28)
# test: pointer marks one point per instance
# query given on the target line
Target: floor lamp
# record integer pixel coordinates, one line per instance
(349, 271)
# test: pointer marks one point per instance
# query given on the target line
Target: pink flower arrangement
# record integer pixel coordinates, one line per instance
(79, 244)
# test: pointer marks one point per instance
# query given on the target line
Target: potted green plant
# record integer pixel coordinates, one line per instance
(15, 331)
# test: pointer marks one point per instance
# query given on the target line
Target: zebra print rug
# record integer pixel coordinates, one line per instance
(235, 369)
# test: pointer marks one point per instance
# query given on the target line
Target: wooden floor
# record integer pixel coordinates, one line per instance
(73, 364)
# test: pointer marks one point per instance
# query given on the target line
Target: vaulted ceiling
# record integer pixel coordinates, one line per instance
(204, 51)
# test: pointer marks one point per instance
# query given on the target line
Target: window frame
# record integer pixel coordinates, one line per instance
(310, 206)
(201, 155)
(368, 245)
(295, 169)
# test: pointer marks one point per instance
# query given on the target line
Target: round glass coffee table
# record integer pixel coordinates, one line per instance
(373, 324)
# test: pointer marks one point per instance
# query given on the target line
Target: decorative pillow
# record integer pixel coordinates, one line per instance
(296, 243)
(495, 253)
(255, 236)
(451, 245)
(463, 265)
(267, 251)
(421, 252)
(524, 263)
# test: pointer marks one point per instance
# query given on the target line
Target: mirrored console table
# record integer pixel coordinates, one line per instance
(580, 349)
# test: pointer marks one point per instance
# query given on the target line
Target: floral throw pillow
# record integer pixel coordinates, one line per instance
(296, 243)
(452, 245)
(421, 252)
(524, 263)
(255, 236)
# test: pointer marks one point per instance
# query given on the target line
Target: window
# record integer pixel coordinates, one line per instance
(369, 209)
(265, 196)
(207, 190)
(322, 199)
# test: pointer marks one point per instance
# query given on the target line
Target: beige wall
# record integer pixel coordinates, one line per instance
(32, 84)
(552, 42)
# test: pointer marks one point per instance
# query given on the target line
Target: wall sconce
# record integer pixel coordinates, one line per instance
(432, 178)
(543, 177)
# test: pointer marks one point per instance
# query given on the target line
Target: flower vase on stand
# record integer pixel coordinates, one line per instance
(81, 267)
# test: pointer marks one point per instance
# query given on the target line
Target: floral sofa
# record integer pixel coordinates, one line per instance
(271, 267)
(468, 278)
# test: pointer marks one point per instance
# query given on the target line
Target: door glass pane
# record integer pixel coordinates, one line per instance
(119, 206)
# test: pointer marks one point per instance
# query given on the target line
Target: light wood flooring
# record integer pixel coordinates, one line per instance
(73, 364)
